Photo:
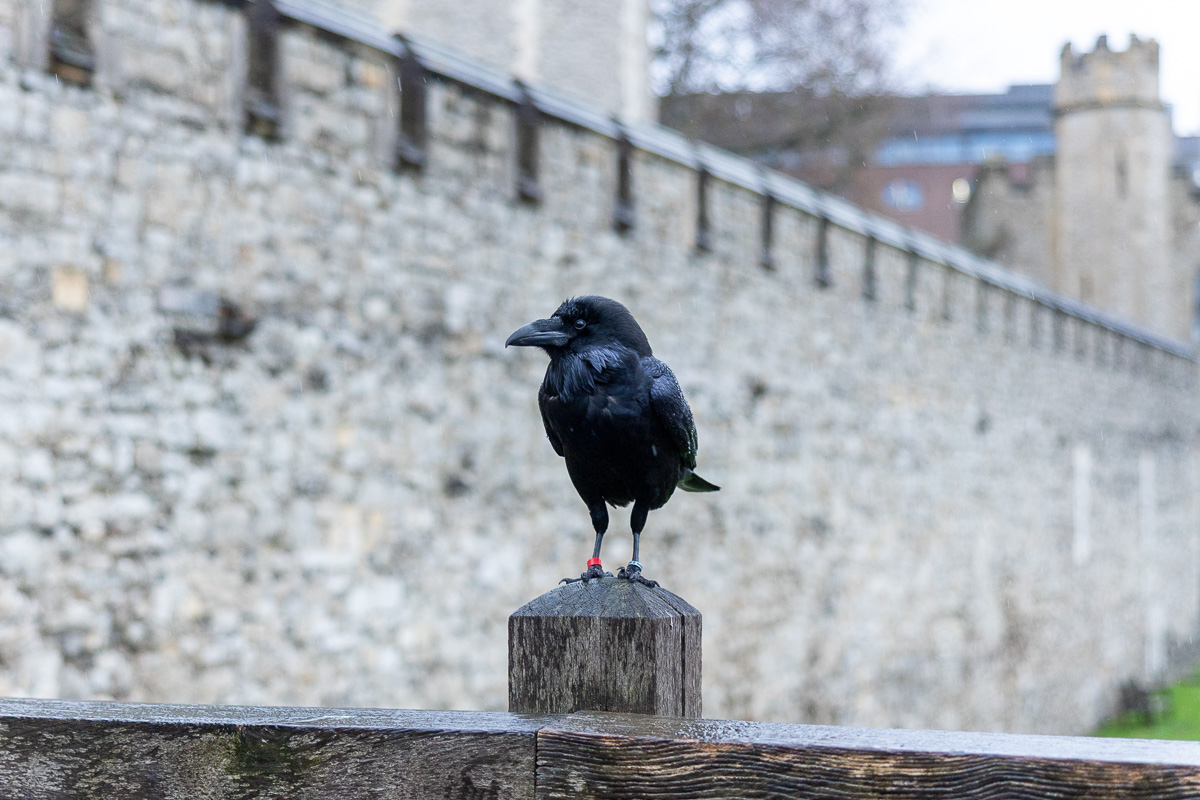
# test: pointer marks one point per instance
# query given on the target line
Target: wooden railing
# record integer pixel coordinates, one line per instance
(607, 645)
(54, 749)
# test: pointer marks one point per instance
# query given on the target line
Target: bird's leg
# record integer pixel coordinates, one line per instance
(599, 514)
(633, 571)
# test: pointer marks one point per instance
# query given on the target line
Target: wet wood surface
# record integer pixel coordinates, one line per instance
(608, 645)
(52, 749)
(621, 756)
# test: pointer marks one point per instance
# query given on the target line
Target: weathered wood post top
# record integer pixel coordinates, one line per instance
(607, 645)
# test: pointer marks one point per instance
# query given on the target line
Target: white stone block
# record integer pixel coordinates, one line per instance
(37, 466)
(37, 194)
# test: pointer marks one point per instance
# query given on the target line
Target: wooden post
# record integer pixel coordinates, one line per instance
(609, 645)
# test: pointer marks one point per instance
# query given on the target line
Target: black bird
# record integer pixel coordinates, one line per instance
(616, 414)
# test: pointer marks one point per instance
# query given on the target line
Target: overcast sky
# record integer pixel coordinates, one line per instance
(972, 46)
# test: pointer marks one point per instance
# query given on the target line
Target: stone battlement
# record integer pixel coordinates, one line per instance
(1105, 77)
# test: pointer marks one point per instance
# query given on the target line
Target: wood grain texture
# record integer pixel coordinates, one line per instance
(609, 645)
(51, 749)
(624, 756)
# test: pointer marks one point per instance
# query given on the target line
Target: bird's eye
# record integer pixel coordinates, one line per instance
(580, 324)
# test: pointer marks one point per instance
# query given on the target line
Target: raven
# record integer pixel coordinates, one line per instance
(616, 414)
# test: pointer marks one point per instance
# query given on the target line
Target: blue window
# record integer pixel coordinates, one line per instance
(966, 148)
(1017, 147)
(923, 150)
(903, 195)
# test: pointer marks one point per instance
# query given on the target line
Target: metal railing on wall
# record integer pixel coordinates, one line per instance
(445, 64)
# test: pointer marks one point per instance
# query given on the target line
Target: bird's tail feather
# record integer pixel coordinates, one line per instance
(694, 483)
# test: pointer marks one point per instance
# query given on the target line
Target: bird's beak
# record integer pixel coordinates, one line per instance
(542, 333)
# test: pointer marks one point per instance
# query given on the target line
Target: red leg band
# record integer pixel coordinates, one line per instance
(594, 562)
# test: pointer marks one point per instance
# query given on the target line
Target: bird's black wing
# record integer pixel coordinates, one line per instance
(543, 399)
(671, 408)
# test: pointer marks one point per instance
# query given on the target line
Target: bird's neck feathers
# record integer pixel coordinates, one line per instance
(573, 373)
(629, 332)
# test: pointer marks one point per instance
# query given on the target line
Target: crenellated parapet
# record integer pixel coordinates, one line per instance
(1109, 78)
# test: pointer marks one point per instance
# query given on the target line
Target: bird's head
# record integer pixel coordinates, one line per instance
(582, 323)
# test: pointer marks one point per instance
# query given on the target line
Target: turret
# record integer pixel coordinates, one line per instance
(1110, 229)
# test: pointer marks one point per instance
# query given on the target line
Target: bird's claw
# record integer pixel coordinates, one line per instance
(593, 573)
(633, 573)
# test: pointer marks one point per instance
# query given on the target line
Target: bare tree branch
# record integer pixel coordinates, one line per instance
(816, 71)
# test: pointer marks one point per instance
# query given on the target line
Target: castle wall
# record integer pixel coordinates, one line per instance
(1010, 221)
(976, 512)
(1185, 241)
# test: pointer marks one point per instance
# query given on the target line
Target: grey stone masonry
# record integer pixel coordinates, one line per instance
(1111, 206)
(596, 50)
(951, 506)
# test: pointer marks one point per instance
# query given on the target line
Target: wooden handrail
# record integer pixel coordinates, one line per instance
(57, 749)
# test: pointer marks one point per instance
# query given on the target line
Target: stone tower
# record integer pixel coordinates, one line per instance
(592, 49)
(1110, 234)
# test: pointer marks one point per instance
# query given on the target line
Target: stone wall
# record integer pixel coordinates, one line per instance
(1009, 220)
(1184, 203)
(973, 513)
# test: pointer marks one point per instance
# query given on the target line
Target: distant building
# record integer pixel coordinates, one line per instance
(595, 51)
(922, 172)
(1079, 184)
(916, 148)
